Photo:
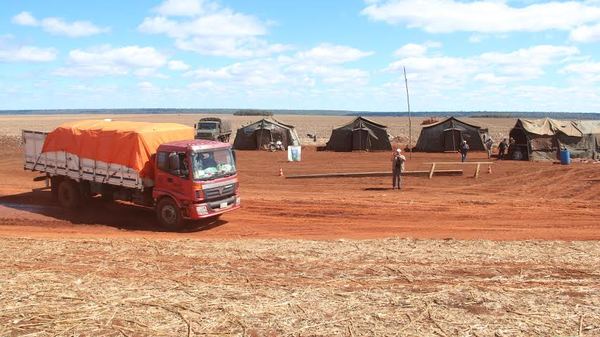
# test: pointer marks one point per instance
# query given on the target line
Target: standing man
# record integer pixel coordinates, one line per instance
(464, 149)
(502, 148)
(511, 147)
(489, 143)
(397, 167)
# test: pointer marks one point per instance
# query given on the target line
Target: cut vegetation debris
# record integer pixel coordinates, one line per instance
(299, 288)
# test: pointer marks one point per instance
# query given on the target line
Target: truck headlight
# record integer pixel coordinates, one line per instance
(238, 201)
(202, 210)
(198, 194)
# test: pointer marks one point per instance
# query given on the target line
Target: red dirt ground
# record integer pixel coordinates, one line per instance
(519, 200)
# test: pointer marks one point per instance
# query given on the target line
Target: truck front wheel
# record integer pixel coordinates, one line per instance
(69, 195)
(169, 215)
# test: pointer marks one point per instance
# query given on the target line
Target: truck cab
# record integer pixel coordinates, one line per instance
(194, 179)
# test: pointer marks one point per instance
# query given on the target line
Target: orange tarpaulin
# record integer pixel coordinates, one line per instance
(126, 143)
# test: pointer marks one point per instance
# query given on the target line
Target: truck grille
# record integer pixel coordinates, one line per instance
(219, 192)
(203, 135)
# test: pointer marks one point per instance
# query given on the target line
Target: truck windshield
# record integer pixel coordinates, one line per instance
(207, 126)
(210, 165)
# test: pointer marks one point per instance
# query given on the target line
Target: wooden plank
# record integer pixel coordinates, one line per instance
(431, 171)
(373, 174)
(460, 163)
(477, 171)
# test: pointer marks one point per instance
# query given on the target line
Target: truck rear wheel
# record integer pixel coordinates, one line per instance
(69, 195)
(169, 215)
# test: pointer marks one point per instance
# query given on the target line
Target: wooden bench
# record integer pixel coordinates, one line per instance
(478, 163)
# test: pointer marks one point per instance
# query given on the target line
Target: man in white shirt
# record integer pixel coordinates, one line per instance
(397, 167)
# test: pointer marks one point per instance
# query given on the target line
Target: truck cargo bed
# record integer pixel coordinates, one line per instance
(61, 163)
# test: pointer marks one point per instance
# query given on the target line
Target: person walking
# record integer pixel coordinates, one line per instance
(464, 149)
(502, 148)
(397, 167)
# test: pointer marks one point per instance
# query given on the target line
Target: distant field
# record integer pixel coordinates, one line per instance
(321, 125)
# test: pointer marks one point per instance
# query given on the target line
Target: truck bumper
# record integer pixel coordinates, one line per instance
(210, 209)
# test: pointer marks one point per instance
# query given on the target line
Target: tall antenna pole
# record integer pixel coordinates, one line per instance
(409, 119)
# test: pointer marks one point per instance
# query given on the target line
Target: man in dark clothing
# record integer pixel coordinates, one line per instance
(397, 167)
(502, 148)
(464, 149)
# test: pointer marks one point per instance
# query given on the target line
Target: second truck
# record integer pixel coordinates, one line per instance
(213, 128)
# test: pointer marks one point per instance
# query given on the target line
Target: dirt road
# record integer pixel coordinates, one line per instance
(518, 200)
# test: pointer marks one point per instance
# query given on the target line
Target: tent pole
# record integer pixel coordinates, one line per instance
(409, 117)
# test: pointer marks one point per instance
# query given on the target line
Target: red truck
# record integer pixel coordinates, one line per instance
(157, 165)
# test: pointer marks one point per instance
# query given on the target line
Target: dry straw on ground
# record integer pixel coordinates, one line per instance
(298, 288)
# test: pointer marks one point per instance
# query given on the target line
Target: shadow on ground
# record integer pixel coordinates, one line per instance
(119, 215)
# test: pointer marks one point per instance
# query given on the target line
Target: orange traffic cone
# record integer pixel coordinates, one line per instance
(280, 172)
(489, 169)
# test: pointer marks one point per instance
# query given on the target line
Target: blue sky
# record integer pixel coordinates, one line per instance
(336, 54)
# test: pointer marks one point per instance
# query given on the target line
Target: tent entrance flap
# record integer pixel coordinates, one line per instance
(361, 139)
(452, 139)
(263, 138)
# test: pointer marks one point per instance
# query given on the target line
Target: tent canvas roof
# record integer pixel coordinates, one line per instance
(450, 118)
(549, 126)
(271, 121)
(361, 120)
(589, 127)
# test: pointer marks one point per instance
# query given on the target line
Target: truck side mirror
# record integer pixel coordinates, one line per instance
(174, 163)
(195, 126)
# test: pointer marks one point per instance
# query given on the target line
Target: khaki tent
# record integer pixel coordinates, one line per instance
(542, 139)
(360, 134)
(258, 135)
(448, 134)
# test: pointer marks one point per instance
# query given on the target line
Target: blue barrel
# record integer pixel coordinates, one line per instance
(565, 157)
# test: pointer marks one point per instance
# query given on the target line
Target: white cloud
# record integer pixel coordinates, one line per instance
(477, 38)
(414, 49)
(535, 55)
(203, 85)
(106, 60)
(182, 7)
(492, 67)
(306, 69)
(224, 23)
(586, 34)
(582, 68)
(10, 52)
(445, 16)
(209, 29)
(205, 73)
(58, 26)
(234, 47)
(332, 54)
(177, 65)
(588, 71)
(148, 87)
(492, 78)
(24, 19)
(149, 72)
